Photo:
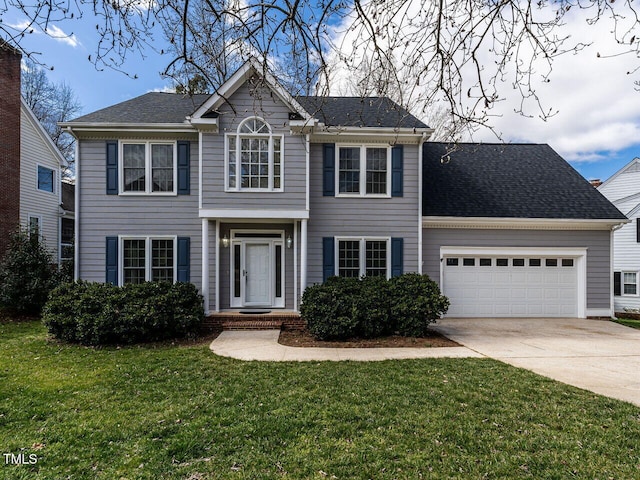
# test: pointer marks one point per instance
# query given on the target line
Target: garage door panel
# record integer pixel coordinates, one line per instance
(541, 287)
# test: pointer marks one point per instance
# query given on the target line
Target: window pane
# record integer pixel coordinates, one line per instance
(452, 262)
(485, 262)
(162, 260)
(232, 161)
(134, 261)
(376, 258)
(46, 179)
(349, 258)
(236, 270)
(133, 167)
(535, 262)
(349, 170)
(567, 262)
(277, 155)
(551, 262)
(377, 170)
(162, 168)
(278, 267)
(254, 157)
(518, 262)
(468, 262)
(629, 280)
(502, 262)
(34, 226)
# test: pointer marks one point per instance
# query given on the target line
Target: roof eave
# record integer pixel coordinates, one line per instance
(522, 223)
(126, 127)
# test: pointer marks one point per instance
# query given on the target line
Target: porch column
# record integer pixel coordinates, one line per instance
(295, 265)
(303, 256)
(205, 263)
(217, 305)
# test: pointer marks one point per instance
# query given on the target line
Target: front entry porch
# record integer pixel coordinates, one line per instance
(245, 320)
(253, 264)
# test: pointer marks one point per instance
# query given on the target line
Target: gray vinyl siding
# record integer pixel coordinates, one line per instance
(225, 261)
(597, 243)
(103, 215)
(266, 105)
(34, 151)
(366, 216)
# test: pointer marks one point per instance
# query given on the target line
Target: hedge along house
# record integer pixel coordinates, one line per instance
(253, 194)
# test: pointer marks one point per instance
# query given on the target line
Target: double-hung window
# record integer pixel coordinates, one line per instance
(148, 259)
(148, 167)
(363, 170)
(629, 283)
(254, 157)
(46, 179)
(357, 257)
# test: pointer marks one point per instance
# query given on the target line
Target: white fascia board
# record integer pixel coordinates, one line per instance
(510, 251)
(228, 213)
(618, 173)
(43, 134)
(127, 127)
(209, 125)
(520, 223)
(391, 135)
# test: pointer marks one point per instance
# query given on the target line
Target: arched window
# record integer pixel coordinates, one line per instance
(254, 157)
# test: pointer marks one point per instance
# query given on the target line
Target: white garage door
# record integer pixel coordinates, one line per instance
(510, 286)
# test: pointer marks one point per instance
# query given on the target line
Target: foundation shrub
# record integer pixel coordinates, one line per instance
(370, 307)
(102, 314)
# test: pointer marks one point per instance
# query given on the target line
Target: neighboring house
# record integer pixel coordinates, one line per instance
(30, 195)
(623, 190)
(253, 194)
(67, 221)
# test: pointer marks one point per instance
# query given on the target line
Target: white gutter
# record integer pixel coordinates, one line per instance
(521, 223)
(424, 138)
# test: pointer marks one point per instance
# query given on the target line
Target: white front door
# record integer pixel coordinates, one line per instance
(258, 274)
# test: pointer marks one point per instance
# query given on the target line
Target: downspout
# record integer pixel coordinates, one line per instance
(611, 293)
(423, 139)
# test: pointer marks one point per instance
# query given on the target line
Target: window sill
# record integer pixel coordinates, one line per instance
(254, 190)
(143, 194)
(360, 195)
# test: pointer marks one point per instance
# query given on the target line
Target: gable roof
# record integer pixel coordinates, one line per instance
(167, 108)
(42, 133)
(633, 164)
(507, 181)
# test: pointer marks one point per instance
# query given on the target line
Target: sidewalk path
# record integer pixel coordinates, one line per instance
(263, 345)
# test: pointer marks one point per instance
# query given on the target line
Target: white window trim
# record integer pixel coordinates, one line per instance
(363, 171)
(237, 302)
(147, 254)
(237, 134)
(363, 254)
(54, 180)
(622, 284)
(148, 177)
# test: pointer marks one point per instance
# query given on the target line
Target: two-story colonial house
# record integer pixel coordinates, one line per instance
(253, 194)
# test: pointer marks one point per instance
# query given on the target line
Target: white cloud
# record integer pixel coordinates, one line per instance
(59, 35)
(53, 31)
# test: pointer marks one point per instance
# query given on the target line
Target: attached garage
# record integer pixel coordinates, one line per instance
(514, 282)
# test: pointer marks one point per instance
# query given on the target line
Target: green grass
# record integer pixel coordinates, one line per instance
(180, 412)
(628, 322)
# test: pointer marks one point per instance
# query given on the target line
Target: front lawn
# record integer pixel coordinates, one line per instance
(628, 322)
(180, 412)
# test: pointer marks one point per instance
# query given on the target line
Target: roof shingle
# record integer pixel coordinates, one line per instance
(507, 181)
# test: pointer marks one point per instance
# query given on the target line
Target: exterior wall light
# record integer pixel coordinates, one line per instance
(225, 241)
(289, 242)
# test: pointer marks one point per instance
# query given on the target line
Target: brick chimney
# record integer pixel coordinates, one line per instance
(596, 182)
(9, 142)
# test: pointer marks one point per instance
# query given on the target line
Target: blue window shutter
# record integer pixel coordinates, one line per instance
(184, 171)
(328, 258)
(184, 259)
(397, 254)
(112, 167)
(112, 261)
(328, 169)
(397, 154)
(617, 283)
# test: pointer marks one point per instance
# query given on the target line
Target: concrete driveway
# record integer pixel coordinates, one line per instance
(600, 356)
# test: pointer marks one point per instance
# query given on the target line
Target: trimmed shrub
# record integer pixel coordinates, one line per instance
(370, 307)
(415, 303)
(27, 274)
(329, 308)
(101, 314)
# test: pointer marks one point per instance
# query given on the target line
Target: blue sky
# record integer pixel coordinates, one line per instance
(597, 128)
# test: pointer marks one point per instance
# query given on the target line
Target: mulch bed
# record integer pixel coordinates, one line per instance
(296, 338)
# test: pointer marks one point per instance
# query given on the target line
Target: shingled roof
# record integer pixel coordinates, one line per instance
(157, 107)
(507, 181)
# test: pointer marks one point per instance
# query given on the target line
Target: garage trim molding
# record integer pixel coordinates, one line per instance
(577, 253)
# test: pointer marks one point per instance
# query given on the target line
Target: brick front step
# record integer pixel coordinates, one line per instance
(237, 321)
